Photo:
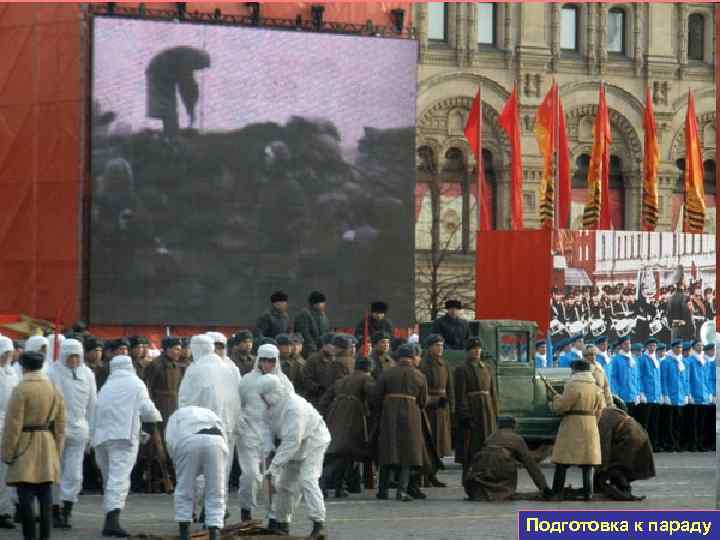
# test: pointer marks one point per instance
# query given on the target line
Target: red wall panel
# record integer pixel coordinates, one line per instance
(513, 275)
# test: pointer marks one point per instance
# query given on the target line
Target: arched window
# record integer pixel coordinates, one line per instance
(569, 26)
(426, 162)
(616, 31)
(696, 37)
(486, 16)
(454, 160)
(437, 21)
(579, 179)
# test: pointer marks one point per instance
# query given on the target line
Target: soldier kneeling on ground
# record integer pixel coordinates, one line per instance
(493, 473)
(627, 455)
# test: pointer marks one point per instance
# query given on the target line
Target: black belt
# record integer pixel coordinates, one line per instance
(34, 429)
(579, 413)
(209, 431)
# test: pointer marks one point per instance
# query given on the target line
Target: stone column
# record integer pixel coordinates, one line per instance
(602, 48)
(461, 33)
(683, 11)
(637, 41)
(421, 19)
(591, 38)
(555, 36)
(507, 34)
(633, 199)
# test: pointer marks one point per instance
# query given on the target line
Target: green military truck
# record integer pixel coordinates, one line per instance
(509, 346)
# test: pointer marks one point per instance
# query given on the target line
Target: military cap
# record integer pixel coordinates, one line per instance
(709, 347)
(506, 422)
(580, 365)
(242, 335)
(636, 347)
(378, 307)
(601, 339)
(91, 343)
(432, 339)
(169, 342)
(676, 343)
(316, 297)
(134, 341)
(405, 351)
(297, 338)
(540, 343)
(120, 342)
(283, 339)
(473, 342)
(379, 336)
(343, 341)
(278, 296)
(661, 346)
(32, 361)
(687, 345)
(327, 339)
(453, 304)
(650, 341)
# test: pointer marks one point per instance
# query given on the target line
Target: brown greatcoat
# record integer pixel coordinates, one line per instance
(476, 408)
(293, 366)
(318, 375)
(625, 446)
(162, 378)
(578, 439)
(380, 363)
(244, 362)
(400, 393)
(33, 457)
(346, 410)
(602, 383)
(439, 386)
(492, 476)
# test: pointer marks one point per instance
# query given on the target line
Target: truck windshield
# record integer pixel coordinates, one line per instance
(513, 347)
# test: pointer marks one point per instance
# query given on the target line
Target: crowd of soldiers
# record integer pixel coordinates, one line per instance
(305, 412)
(618, 311)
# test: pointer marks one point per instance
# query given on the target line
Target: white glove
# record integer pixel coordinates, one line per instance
(144, 437)
(642, 398)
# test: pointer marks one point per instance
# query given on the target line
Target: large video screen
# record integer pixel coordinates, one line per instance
(632, 284)
(231, 162)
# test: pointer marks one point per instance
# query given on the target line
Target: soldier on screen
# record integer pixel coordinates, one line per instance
(169, 71)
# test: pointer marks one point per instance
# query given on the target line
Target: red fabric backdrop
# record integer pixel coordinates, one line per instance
(512, 277)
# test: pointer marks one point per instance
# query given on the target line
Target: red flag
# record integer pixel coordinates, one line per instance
(563, 149)
(694, 189)
(651, 158)
(509, 120)
(473, 134)
(551, 136)
(597, 209)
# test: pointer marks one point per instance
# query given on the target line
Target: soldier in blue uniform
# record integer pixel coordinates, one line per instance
(699, 397)
(624, 375)
(674, 397)
(561, 348)
(603, 357)
(575, 352)
(541, 359)
(649, 382)
(710, 377)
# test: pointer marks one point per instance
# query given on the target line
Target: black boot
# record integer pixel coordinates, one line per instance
(559, 481)
(434, 482)
(245, 514)
(383, 483)
(29, 527)
(402, 496)
(272, 524)
(17, 518)
(213, 533)
(57, 521)
(318, 529)
(184, 531)
(341, 493)
(45, 521)
(67, 515)
(112, 525)
(587, 483)
(6, 522)
(283, 529)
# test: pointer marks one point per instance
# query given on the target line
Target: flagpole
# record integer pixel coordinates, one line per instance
(479, 164)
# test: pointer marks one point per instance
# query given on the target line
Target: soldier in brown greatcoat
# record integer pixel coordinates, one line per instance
(345, 407)
(627, 455)
(162, 378)
(578, 438)
(240, 351)
(317, 371)
(32, 443)
(291, 365)
(476, 404)
(492, 475)
(139, 353)
(400, 394)
(441, 402)
(380, 356)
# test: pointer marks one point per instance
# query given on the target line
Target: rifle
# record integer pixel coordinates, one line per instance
(158, 449)
(548, 386)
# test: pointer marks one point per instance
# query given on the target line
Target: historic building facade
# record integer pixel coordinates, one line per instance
(463, 46)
